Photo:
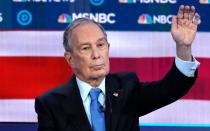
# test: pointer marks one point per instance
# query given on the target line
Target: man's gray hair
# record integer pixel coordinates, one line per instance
(68, 31)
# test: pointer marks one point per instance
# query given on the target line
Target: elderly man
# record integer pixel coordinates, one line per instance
(96, 100)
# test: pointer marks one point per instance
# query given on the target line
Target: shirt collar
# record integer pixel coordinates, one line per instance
(85, 88)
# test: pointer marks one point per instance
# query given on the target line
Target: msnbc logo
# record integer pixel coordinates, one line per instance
(99, 17)
(127, 1)
(204, 1)
(64, 18)
(145, 19)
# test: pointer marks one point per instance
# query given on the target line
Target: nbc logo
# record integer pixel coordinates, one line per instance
(155, 19)
(204, 1)
(127, 1)
(64, 18)
(145, 19)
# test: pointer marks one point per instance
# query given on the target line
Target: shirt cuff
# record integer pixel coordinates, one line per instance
(187, 68)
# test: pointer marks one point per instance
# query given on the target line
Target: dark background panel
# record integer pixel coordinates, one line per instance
(45, 15)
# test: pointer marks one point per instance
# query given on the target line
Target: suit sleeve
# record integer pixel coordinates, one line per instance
(45, 120)
(147, 97)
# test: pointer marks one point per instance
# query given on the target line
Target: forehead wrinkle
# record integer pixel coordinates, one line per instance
(101, 39)
(75, 34)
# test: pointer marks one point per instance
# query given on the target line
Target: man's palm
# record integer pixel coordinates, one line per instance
(184, 25)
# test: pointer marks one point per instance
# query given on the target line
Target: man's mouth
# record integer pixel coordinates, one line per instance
(97, 66)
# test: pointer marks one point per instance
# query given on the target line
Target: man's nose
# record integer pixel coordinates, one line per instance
(95, 53)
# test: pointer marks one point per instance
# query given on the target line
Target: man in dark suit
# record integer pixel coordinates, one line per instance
(121, 99)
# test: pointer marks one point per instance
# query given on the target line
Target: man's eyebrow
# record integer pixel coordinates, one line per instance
(88, 43)
(83, 44)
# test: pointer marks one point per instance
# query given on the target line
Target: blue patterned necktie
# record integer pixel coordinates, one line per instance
(97, 116)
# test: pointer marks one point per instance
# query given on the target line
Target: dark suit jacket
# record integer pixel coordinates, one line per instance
(61, 108)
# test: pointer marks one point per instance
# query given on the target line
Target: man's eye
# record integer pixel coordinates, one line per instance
(101, 44)
(85, 48)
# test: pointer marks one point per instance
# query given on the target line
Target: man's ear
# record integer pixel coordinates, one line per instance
(68, 58)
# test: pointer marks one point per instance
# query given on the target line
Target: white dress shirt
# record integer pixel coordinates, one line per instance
(84, 89)
(186, 67)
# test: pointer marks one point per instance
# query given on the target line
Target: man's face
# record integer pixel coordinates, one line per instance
(89, 57)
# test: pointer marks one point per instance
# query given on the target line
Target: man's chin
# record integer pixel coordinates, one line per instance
(99, 74)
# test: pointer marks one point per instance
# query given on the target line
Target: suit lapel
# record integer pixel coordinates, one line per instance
(112, 112)
(74, 108)
(73, 105)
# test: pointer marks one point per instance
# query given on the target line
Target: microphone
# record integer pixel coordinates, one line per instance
(102, 109)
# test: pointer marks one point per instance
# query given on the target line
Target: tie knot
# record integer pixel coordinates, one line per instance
(94, 93)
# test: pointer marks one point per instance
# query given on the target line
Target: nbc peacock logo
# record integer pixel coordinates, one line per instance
(145, 19)
(204, 1)
(64, 18)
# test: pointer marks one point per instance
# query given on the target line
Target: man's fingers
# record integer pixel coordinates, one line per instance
(196, 19)
(180, 14)
(174, 22)
(192, 13)
(187, 15)
(186, 12)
